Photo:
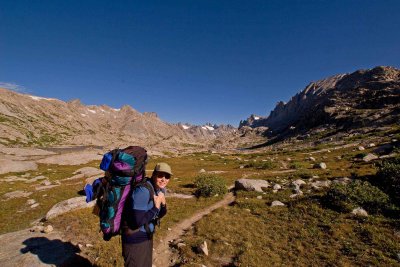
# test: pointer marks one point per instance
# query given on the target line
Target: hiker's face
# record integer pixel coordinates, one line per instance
(161, 179)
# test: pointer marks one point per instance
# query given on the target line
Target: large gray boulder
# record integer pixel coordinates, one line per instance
(7, 166)
(360, 212)
(321, 165)
(317, 185)
(68, 205)
(276, 203)
(369, 157)
(251, 185)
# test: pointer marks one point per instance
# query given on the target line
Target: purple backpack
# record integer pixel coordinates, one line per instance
(124, 169)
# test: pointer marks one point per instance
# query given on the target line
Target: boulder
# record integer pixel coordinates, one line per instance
(7, 165)
(369, 157)
(277, 187)
(277, 203)
(298, 183)
(360, 212)
(311, 158)
(68, 205)
(203, 248)
(320, 184)
(321, 165)
(202, 171)
(251, 185)
(361, 148)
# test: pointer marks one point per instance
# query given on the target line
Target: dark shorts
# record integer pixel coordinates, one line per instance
(138, 254)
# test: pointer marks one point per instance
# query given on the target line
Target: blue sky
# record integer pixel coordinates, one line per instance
(190, 61)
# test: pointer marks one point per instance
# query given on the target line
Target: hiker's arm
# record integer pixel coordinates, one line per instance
(141, 198)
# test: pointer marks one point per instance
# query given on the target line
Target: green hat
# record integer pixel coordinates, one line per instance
(163, 167)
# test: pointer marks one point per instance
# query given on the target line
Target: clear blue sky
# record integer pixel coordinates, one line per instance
(190, 61)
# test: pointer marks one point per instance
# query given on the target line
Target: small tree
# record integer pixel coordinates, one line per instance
(347, 197)
(209, 185)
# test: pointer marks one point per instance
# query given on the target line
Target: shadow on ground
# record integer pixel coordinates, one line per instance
(54, 252)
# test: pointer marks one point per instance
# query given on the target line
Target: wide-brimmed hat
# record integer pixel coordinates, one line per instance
(163, 167)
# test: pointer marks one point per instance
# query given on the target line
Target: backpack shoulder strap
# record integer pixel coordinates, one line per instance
(146, 184)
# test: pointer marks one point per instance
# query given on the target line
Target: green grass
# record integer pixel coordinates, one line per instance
(249, 233)
(301, 234)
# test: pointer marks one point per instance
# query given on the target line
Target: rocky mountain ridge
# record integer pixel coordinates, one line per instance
(27, 120)
(364, 98)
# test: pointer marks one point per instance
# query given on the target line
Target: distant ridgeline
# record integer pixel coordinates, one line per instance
(27, 120)
(362, 99)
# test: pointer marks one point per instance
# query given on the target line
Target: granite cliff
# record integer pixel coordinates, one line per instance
(362, 99)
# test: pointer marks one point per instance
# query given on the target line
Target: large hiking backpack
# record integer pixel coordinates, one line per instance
(124, 169)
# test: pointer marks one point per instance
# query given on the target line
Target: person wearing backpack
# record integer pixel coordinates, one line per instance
(142, 213)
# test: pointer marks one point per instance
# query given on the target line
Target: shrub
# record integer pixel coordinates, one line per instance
(209, 185)
(295, 165)
(345, 198)
(388, 178)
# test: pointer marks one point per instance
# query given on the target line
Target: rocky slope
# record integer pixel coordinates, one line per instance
(27, 120)
(363, 99)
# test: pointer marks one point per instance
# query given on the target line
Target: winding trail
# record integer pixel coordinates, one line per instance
(162, 254)
(26, 248)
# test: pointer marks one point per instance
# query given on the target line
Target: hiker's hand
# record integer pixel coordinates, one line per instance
(158, 200)
(163, 201)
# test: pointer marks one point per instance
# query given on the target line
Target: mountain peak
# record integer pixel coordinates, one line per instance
(342, 100)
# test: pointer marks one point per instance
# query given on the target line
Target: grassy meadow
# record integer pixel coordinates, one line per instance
(307, 231)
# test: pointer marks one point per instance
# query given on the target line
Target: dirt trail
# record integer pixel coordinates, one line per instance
(25, 248)
(162, 254)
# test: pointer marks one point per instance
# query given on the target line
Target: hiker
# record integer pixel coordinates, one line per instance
(141, 214)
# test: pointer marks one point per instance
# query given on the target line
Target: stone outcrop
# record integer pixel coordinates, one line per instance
(364, 98)
(7, 166)
(251, 185)
(277, 203)
(360, 212)
(369, 157)
(68, 205)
